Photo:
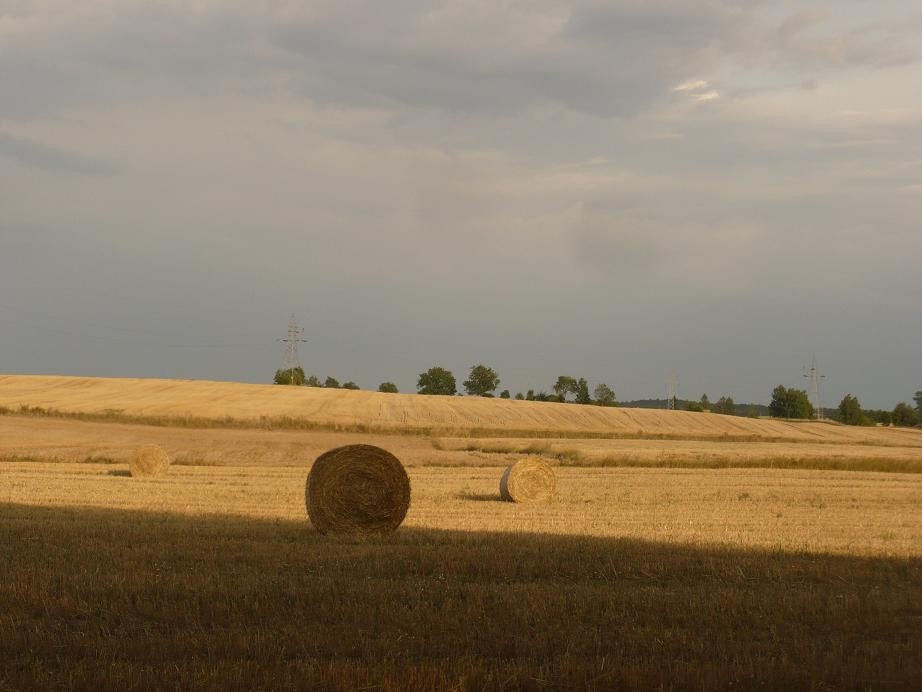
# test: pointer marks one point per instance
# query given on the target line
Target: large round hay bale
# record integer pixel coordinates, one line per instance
(357, 489)
(149, 460)
(528, 480)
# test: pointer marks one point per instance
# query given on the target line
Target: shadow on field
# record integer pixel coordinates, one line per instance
(101, 598)
(119, 472)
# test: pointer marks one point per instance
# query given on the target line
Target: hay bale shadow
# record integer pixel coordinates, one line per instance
(123, 473)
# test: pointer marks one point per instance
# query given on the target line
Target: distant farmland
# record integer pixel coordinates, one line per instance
(201, 403)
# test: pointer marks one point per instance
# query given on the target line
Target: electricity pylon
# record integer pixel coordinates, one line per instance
(814, 376)
(292, 360)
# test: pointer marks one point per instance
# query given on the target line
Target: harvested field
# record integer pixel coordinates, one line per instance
(693, 453)
(56, 439)
(632, 578)
(212, 577)
(818, 511)
(198, 404)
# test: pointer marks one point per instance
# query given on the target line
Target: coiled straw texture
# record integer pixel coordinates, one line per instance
(528, 480)
(357, 489)
(149, 460)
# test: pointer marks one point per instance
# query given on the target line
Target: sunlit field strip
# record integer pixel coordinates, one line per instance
(851, 512)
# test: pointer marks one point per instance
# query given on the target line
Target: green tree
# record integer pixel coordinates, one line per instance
(604, 395)
(312, 381)
(388, 388)
(437, 380)
(530, 396)
(565, 385)
(905, 416)
(350, 385)
(582, 392)
(505, 394)
(482, 381)
(694, 406)
(850, 411)
(917, 397)
(790, 403)
(519, 396)
(725, 406)
(881, 417)
(705, 403)
(331, 383)
(293, 376)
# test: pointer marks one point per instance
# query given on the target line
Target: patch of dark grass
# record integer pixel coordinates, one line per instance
(99, 460)
(795, 463)
(480, 497)
(186, 461)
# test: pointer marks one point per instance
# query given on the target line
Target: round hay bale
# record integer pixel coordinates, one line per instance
(528, 480)
(149, 460)
(357, 489)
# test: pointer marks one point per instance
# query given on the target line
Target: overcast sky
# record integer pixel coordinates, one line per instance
(618, 190)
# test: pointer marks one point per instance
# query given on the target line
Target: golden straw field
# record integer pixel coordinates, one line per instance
(179, 401)
(779, 555)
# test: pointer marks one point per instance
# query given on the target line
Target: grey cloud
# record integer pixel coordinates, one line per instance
(812, 40)
(38, 155)
(607, 58)
(597, 57)
(602, 58)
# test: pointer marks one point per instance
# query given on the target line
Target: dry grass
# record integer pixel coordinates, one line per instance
(819, 511)
(674, 579)
(52, 439)
(694, 454)
(194, 403)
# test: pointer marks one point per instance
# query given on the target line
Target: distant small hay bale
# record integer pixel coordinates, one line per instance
(528, 480)
(358, 489)
(149, 460)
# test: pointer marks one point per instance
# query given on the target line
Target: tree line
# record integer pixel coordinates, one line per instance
(903, 415)
(794, 403)
(296, 377)
(484, 381)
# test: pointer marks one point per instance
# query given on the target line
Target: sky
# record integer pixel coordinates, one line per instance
(624, 191)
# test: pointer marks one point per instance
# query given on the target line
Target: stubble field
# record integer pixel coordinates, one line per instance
(662, 563)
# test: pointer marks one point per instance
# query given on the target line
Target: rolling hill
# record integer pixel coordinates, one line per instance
(191, 401)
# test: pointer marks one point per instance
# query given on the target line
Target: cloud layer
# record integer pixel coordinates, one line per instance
(617, 189)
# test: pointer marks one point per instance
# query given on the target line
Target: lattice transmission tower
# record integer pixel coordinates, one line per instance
(292, 359)
(814, 376)
(672, 385)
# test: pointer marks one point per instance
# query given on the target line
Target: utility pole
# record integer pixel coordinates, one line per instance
(814, 376)
(291, 342)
